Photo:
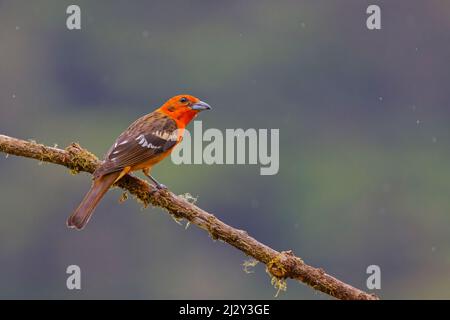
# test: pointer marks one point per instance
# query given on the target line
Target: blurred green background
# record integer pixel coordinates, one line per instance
(363, 118)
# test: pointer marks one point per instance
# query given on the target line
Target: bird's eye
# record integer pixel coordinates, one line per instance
(183, 100)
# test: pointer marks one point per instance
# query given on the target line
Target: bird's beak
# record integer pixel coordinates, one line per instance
(200, 106)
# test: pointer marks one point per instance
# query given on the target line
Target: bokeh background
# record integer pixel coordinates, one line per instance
(364, 132)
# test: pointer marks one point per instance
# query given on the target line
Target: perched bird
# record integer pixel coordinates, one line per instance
(146, 142)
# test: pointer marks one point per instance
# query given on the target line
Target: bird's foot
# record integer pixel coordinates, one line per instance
(160, 186)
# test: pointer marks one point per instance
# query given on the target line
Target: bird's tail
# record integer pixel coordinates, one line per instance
(82, 214)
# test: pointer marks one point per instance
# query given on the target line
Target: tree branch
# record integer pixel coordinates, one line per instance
(280, 265)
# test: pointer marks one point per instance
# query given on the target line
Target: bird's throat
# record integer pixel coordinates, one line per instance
(181, 117)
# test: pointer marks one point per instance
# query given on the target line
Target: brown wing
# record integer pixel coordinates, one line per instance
(146, 138)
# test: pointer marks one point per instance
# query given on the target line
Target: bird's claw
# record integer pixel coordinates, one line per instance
(160, 186)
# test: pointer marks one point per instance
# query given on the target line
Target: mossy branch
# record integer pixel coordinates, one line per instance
(280, 265)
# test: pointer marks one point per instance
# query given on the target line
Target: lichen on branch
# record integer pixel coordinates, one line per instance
(280, 265)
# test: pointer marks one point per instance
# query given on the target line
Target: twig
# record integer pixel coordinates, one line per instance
(280, 265)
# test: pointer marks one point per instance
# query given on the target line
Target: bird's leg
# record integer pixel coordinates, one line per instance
(157, 184)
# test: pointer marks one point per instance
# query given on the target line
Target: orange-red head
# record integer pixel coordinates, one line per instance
(183, 108)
